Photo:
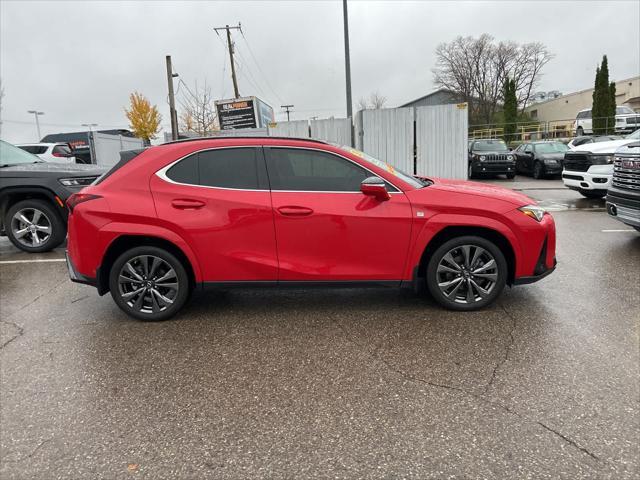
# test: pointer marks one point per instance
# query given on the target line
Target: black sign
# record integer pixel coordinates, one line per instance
(239, 114)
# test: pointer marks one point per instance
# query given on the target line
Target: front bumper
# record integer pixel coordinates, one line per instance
(535, 278)
(624, 207)
(493, 167)
(77, 277)
(596, 178)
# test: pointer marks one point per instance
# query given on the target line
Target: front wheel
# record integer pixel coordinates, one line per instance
(149, 283)
(538, 171)
(511, 176)
(33, 226)
(592, 193)
(470, 173)
(466, 273)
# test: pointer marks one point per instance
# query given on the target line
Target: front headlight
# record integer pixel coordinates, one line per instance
(77, 181)
(533, 211)
(510, 158)
(601, 159)
(482, 158)
(550, 161)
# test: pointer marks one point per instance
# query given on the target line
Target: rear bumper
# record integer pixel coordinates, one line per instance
(77, 277)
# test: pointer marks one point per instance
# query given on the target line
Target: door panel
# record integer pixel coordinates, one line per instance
(231, 230)
(334, 233)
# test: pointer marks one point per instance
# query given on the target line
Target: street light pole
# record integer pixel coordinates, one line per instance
(347, 62)
(36, 113)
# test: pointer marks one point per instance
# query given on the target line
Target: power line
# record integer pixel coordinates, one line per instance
(259, 68)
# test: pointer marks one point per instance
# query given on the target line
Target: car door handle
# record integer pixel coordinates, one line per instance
(294, 211)
(187, 204)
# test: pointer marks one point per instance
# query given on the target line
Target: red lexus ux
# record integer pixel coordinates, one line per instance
(239, 212)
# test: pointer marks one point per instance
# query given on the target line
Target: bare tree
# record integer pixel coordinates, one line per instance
(375, 102)
(477, 68)
(198, 110)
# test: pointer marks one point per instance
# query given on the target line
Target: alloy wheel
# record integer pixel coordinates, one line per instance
(467, 274)
(31, 227)
(148, 284)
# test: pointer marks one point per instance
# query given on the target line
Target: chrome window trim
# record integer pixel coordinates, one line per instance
(162, 173)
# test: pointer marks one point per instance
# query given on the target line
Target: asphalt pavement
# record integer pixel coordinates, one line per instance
(371, 383)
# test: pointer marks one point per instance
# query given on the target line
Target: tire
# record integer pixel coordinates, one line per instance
(511, 176)
(470, 174)
(154, 302)
(456, 296)
(538, 170)
(34, 226)
(593, 193)
(579, 132)
(637, 228)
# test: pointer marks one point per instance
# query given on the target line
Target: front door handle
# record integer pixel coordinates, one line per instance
(294, 211)
(187, 204)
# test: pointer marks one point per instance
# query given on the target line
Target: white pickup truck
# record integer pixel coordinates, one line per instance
(589, 168)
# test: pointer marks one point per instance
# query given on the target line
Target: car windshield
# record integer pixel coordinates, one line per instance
(413, 181)
(624, 111)
(490, 146)
(634, 136)
(551, 147)
(10, 155)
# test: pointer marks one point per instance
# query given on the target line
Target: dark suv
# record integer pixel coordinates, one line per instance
(623, 197)
(32, 197)
(490, 157)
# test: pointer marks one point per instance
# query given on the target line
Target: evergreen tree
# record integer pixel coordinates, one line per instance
(603, 120)
(510, 109)
(611, 114)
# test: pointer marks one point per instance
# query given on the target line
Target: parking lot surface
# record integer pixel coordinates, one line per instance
(332, 383)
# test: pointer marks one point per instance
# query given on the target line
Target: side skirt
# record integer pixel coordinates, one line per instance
(308, 284)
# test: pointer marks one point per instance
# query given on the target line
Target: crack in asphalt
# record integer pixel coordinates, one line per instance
(19, 334)
(507, 350)
(21, 329)
(479, 397)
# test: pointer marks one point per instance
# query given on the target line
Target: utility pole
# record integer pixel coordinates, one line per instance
(230, 44)
(37, 114)
(90, 125)
(287, 107)
(172, 100)
(347, 64)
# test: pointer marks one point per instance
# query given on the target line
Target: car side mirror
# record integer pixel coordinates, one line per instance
(374, 187)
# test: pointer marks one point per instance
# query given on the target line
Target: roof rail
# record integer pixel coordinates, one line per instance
(186, 140)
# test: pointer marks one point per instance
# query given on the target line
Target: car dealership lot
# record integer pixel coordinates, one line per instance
(332, 383)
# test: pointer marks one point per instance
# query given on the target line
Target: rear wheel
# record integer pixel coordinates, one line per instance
(33, 226)
(593, 193)
(149, 283)
(466, 273)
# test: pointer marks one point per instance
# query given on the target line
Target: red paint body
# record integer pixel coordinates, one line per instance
(262, 235)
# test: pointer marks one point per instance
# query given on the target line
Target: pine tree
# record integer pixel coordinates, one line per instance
(611, 114)
(596, 109)
(510, 109)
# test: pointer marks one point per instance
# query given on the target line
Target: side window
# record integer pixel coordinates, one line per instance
(62, 149)
(312, 170)
(229, 168)
(528, 148)
(185, 171)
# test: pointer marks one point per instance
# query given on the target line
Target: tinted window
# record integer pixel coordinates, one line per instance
(185, 171)
(35, 149)
(229, 168)
(311, 170)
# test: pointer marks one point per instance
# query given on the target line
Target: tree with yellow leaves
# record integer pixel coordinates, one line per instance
(144, 118)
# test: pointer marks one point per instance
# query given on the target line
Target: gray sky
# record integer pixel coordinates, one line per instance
(79, 61)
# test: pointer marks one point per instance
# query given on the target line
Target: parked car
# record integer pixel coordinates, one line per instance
(589, 169)
(626, 121)
(490, 157)
(578, 141)
(623, 197)
(32, 197)
(228, 212)
(50, 152)
(540, 158)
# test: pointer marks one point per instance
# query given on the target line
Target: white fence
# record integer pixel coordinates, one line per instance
(336, 130)
(441, 141)
(296, 128)
(105, 149)
(387, 134)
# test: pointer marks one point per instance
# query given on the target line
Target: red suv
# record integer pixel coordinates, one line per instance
(229, 212)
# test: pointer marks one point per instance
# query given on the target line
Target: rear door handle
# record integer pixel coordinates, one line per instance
(294, 211)
(187, 204)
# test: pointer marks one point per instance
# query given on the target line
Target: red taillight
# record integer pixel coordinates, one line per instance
(59, 155)
(78, 198)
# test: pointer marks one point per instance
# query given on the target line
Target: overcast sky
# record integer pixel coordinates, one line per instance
(79, 61)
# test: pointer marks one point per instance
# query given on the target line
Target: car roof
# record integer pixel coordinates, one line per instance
(245, 137)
